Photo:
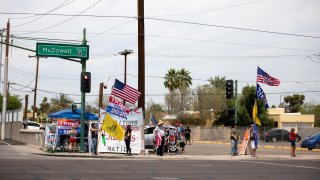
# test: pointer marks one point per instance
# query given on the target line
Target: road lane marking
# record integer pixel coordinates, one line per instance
(10, 145)
(165, 178)
(277, 164)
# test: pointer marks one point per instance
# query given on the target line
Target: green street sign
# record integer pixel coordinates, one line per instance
(62, 50)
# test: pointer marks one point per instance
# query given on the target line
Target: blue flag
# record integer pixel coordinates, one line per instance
(261, 95)
(255, 132)
(153, 120)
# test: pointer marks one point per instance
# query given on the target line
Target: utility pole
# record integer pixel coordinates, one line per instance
(35, 90)
(141, 56)
(236, 102)
(4, 101)
(100, 96)
(25, 107)
(1, 34)
(125, 53)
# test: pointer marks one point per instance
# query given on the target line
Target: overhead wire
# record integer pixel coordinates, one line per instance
(167, 20)
(210, 10)
(66, 19)
(56, 8)
(232, 27)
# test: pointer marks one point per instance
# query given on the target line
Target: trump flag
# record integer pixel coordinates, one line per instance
(260, 95)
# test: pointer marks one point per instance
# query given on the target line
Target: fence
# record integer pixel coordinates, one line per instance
(223, 133)
(13, 116)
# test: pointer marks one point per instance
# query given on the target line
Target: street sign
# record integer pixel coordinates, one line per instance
(62, 50)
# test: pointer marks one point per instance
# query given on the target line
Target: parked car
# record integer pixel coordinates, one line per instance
(311, 142)
(34, 126)
(278, 135)
(149, 138)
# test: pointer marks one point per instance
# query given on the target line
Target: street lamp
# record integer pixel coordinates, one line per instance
(125, 53)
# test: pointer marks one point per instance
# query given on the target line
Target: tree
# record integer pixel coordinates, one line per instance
(245, 106)
(218, 82)
(184, 82)
(311, 108)
(203, 102)
(180, 80)
(60, 102)
(170, 82)
(14, 102)
(295, 101)
(44, 106)
(155, 109)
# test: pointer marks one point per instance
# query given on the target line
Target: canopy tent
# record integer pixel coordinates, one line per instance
(69, 114)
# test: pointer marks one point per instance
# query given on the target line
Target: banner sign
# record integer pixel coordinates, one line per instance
(244, 143)
(106, 143)
(116, 111)
(65, 125)
(51, 138)
(113, 100)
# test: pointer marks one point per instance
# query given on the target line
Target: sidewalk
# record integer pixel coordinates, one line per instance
(212, 155)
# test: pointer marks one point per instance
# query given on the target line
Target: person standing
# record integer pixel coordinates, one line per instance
(187, 135)
(127, 139)
(234, 137)
(252, 141)
(292, 136)
(94, 138)
(73, 139)
(160, 129)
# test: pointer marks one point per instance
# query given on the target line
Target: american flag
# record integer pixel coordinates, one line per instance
(260, 95)
(264, 77)
(125, 92)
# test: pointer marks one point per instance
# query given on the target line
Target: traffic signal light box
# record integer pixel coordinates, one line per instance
(85, 82)
(229, 89)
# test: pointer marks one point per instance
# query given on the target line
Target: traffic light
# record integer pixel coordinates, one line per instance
(85, 82)
(229, 89)
(74, 108)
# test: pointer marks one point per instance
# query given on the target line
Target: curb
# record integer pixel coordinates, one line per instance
(264, 146)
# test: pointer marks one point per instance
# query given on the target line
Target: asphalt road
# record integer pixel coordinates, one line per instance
(15, 163)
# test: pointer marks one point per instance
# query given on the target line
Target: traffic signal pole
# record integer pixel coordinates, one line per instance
(83, 98)
(236, 102)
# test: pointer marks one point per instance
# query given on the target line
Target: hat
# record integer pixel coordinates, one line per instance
(160, 122)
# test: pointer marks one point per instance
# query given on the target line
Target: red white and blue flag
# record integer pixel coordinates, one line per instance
(264, 77)
(125, 92)
(260, 95)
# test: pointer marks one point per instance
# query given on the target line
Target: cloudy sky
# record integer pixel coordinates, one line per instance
(226, 38)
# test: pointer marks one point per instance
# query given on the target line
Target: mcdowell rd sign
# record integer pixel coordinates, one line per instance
(62, 50)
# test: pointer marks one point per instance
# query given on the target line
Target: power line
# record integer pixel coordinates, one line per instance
(67, 19)
(229, 43)
(211, 10)
(166, 20)
(56, 8)
(231, 27)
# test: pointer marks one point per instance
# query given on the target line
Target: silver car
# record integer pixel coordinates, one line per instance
(149, 138)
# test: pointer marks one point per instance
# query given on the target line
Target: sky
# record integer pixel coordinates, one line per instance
(209, 38)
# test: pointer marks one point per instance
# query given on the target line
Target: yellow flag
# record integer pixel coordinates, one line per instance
(255, 113)
(112, 127)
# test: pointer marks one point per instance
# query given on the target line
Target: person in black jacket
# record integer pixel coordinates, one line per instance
(127, 139)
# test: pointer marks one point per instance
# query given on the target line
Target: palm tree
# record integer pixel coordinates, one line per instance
(170, 82)
(218, 82)
(60, 102)
(184, 82)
